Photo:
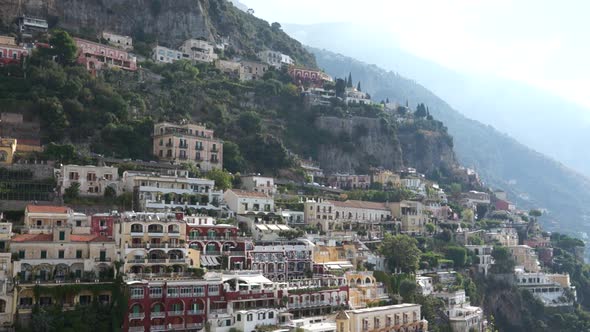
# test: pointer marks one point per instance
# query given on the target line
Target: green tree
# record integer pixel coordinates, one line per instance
(349, 82)
(72, 192)
(232, 157)
(458, 255)
(503, 261)
(407, 290)
(53, 118)
(61, 153)
(358, 86)
(64, 47)
(401, 251)
(250, 122)
(223, 179)
(535, 213)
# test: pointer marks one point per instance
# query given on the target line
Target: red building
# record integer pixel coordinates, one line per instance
(186, 303)
(219, 244)
(312, 77)
(317, 296)
(503, 205)
(103, 224)
(96, 56)
(10, 52)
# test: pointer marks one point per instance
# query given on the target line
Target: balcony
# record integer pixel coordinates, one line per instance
(183, 157)
(156, 260)
(137, 315)
(136, 296)
(195, 312)
(183, 146)
(176, 313)
(169, 145)
(155, 328)
(136, 261)
(214, 161)
(214, 150)
(175, 327)
(137, 233)
(136, 329)
(174, 234)
(102, 259)
(194, 326)
(156, 234)
(199, 147)
(160, 314)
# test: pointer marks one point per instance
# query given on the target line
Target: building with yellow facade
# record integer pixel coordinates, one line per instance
(392, 318)
(7, 150)
(364, 290)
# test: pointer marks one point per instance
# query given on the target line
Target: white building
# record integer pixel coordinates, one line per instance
(262, 184)
(484, 257)
(165, 55)
(160, 192)
(283, 260)
(312, 324)
(123, 42)
(275, 59)
(354, 96)
(293, 218)
(330, 215)
(93, 180)
(249, 202)
(462, 315)
(198, 50)
(425, 284)
(554, 290)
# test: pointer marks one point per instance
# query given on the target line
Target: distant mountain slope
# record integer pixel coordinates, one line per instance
(531, 179)
(547, 123)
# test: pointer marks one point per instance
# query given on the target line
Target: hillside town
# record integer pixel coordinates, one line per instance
(177, 243)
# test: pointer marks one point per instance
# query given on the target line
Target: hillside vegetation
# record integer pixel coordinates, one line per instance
(531, 179)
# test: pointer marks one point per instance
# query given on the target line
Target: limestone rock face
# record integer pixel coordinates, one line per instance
(361, 142)
(171, 21)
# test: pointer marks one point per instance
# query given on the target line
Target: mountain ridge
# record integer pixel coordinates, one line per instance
(494, 161)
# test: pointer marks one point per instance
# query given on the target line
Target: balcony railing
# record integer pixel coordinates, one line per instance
(102, 259)
(137, 315)
(160, 314)
(156, 328)
(196, 326)
(156, 260)
(183, 146)
(195, 312)
(176, 313)
(183, 157)
(175, 327)
(136, 329)
(214, 161)
(155, 233)
(169, 145)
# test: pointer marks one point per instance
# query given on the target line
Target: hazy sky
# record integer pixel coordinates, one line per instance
(541, 42)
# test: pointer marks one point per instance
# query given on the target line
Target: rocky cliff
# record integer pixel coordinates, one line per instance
(169, 22)
(362, 142)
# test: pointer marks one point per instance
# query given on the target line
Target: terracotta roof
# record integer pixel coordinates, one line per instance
(361, 205)
(245, 193)
(47, 209)
(29, 141)
(89, 238)
(32, 238)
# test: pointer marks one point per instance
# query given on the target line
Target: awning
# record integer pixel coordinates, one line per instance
(209, 261)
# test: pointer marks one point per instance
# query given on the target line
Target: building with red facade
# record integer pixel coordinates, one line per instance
(103, 224)
(220, 244)
(97, 56)
(317, 296)
(10, 52)
(313, 77)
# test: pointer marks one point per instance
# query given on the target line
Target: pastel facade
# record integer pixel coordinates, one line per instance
(154, 192)
(7, 150)
(188, 142)
(393, 318)
(350, 182)
(263, 184)
(43, 218)
(7, 305)
(309, 76)
(364, 289)
(249, 202)
(317, 296)
(93, 180)
(554, 290)
(412, 216)
(62, 256)
(275, 59)
(526, 257)
(387, 178)
(199, 50)
(153, 243)
(166, 55)
(96, 56)
(329, 215)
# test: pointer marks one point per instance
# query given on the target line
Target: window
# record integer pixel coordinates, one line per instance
(26, 301)
(62, 235)
(85, 299)
(78, 253)
(185, 291)
(43, 254)
(78, 223)
(239, 318)
(271, 315)
(21, 254)
(213, 290)
(249, 317)
(172, 292)
(199, 291)
(61, 254)
(156, 292)
(137, 293)
(39, 222)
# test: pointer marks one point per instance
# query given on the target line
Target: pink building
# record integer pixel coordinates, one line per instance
(313, 77)
(96, 56)
(10, 53)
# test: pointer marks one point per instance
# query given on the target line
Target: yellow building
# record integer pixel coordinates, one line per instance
(387, 178)
(526, 257)
(364, 290)
(412, 216)
(393, 318)
(153, 243)
(7, 150)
